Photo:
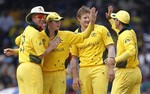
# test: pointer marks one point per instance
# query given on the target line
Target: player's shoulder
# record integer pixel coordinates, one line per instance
(128, 33)
(65, 32)
(43, 32)
(31, 30)
(100, 28)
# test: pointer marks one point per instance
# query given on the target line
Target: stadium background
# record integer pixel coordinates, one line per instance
(12, 23)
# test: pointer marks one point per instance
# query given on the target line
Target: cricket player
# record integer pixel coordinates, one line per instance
(31, 52)
(128, 75)
(53, 67)
(93, 73)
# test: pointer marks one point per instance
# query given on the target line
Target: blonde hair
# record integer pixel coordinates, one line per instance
(83, 10)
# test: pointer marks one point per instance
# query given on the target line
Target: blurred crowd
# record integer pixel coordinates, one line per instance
(12, 24)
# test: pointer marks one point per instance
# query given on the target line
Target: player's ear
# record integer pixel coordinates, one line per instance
(78, 18)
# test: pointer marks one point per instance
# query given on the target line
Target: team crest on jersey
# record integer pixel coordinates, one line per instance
(61, 41)
(42, 42)
(108, 34)
(93, 34)
(127, 41)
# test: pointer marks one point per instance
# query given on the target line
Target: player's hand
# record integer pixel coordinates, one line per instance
(76, 83)
(110, 61)
(108, 14)
(53, 43)
(93, 15)
(9, 52)
(111, 73)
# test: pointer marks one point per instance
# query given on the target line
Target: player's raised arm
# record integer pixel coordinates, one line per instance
(109, 15)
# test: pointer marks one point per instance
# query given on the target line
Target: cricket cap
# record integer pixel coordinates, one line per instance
(53, 16)
(122, 16)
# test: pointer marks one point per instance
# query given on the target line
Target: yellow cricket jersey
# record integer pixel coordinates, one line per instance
(31, 44)
(127, 50)
(17, 40)
(127, 43)
(55, 60)
(91, 50)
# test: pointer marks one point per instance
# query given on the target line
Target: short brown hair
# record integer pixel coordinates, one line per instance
(83, 10)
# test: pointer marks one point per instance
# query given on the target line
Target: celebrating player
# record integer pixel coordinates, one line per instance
(31, 52)
(93, 74)
(54, 75)
(128, 75)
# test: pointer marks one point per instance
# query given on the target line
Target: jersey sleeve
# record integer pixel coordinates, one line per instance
(129, 45)
(17, 40)
(107, 38)
(74, 50)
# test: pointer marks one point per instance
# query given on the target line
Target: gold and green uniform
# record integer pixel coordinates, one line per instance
(29, 73)
(128, 75)
(53, 67)
(93, 72)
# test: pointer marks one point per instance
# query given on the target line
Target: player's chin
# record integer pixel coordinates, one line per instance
(86, 24)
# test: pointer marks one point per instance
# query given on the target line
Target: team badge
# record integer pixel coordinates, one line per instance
(42, 42)
(61, 41)
(40, 9)
(108, 34)
(127, 41)
(93, 34)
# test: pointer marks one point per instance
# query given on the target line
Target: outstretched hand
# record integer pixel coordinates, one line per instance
(93, 15)
(108, 14)
(9, 51)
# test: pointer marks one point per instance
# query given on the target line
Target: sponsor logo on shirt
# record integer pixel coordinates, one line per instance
(89, 44)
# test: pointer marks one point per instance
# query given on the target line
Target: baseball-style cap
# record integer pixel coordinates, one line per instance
(122, 16)
(35, 10)
(53, 16)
